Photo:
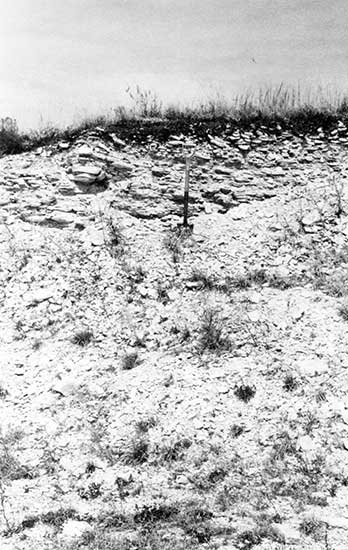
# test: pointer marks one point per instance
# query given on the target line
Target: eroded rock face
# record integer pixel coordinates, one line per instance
(99, 416)
(147, 180)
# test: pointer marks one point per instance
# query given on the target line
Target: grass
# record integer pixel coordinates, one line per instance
(130, 360)
(313, 527)
(343, 310)
(114, 239)
(83, 337)
(203, 279)
(211, 331)
(136, 451)
(288, 106)
(173, 449)
(173, 243)
(290, 382)
(245, 392)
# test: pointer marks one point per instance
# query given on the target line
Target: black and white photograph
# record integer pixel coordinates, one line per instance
(173, 275)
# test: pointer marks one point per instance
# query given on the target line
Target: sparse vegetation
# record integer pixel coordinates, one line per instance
(218, 438)
(313, 527)
(173, 243)
(343, 309)
(130, 360)
(83, 337)
(290, 382)
(203, 279)
(115, 241)
(173, 449)
(211, 331)
(136, 451)
(245, 392)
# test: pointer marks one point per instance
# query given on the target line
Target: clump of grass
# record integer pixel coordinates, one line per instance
(3, 392)
(283, 445)
(173, 243)
(145, 424)
(320, 396)
(130, 360)
(204, 279)
(92, 491)
(244, 392)
(290, 382)
(162, 293)
(10, 467)
(195, 518)
(343, 310)
(312, 527)
(211, 331)
(114, 239)
(236, 430)
(37, 344)
(136, 451)
(83, 337)
(335, 284)
(158, 511)
(253, 537)
(11, 141)
(183, 332)
(173, 449)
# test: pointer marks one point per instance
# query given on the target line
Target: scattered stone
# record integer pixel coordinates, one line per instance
(313, 367)
(73, 530)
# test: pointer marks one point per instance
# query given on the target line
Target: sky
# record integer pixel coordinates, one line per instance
(61, 60)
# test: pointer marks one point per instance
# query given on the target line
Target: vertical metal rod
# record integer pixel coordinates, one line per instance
(186, 190)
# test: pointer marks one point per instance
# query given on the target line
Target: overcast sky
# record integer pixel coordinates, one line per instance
(61, 59)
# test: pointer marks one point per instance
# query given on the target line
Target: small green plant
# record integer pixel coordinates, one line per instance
(82, 337)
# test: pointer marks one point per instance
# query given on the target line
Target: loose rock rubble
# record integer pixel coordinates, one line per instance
(189, 387)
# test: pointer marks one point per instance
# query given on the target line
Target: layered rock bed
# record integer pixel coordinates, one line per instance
(162, 389)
